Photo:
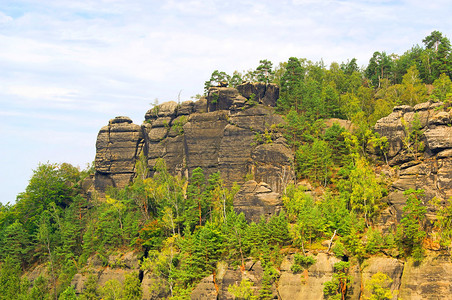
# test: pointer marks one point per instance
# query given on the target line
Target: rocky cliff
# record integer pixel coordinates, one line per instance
(419, 156)
(419, 152)
(231, 131)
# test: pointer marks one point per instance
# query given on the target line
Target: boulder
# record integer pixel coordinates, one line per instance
(223, 98)
(266, 94)
(256, 200)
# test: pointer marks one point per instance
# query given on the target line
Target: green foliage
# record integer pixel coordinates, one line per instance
(378, 286)
(412, 224)
(301, 262)
(68, 294)
(338, 249)
(337, 287)
(243, 291)
(375, 241)
(40, 289)
(11, 284)
(442, 88)
(314, 161)
(15, 243)
(188, 225)
(132, 287)
(444, 221)
(111, 290)
(90, 291)
(178, 124)
(264, 72)
(307, 215)
(216, 78)
(363, 189)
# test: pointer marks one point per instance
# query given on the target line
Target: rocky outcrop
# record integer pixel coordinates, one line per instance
(115, 268)
(309, 283)
(226, 276)
(221, 132)
(256, 200)
(420, 147)
(117, 148)
(429, 280)
(389, 266)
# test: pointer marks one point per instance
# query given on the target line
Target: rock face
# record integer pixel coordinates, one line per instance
(422, 163)
(117, 267)
(430, 280)
(386, 265)
(117, 148)
(229, 131)
(217, 288)
(256, 200)
(307, 284)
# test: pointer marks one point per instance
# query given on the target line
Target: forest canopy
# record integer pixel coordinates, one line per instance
(183, 227)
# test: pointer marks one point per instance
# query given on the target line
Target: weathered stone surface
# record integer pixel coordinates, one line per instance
(117, 268)
(154, 287)
(440, 118)
(234, 157)
(439, 138)
(224, 132)
(200, 106)
(346, 124)
(431, 170)
(222, 141)
(392, 128)
(307, 284)
(223, 98)
(430, 280)
(217, 287)
(205, 289)
(256, 200)
(157, 134)
(121, 119)
(186, 108)
(273, 164)
(266, 94)
(117, 148)
(389, 266)
(161, 122)
(257, 118)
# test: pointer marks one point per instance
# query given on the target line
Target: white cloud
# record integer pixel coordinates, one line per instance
(4, 19)
(44, 93)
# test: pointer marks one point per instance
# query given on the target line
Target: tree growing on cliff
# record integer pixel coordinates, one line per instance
(216, 78)
(379, 287)
(264, 72)
(412, 224)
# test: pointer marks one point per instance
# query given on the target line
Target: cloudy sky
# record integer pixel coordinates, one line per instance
(67, 67)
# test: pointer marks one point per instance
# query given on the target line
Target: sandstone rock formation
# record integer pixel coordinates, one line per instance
(307, 284)
(115, 268)
(256, 200)
(226, 276)
(429, 280)
(425, 163)
(217, 133)
(117, 148)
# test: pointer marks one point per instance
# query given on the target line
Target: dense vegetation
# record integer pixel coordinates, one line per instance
(184, 227)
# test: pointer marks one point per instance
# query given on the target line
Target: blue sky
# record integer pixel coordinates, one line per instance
(67, 67)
